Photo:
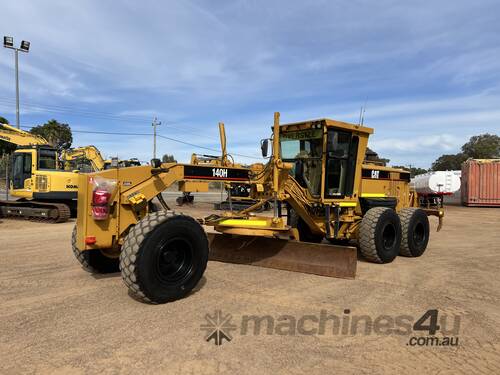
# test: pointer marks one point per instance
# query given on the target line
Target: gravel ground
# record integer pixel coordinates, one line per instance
(56, 318)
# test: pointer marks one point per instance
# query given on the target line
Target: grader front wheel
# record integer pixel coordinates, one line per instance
(380, 235)
(164, 257)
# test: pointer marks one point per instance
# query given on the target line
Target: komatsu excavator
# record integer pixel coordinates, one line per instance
(89, 159)
(43, 190)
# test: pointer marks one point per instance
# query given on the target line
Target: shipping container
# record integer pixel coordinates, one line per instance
(481, 182)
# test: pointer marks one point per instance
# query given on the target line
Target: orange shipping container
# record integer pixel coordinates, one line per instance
(481, 182)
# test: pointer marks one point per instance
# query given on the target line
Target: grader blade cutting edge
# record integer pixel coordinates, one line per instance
(319, 259)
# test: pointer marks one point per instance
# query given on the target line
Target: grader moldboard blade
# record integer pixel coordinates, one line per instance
(305, 257)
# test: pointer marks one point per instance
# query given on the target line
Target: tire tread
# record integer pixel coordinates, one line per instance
(405, 215)
(367, 234)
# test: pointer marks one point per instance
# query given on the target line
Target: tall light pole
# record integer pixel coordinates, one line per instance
(155, 124)
(8, 42)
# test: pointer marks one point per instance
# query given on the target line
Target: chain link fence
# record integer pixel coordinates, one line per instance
(4, 175)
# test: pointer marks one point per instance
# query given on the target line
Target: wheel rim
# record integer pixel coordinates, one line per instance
(174, 262)
(419, 234)
(389, 236)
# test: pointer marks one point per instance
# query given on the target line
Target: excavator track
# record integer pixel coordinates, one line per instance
(35, 211)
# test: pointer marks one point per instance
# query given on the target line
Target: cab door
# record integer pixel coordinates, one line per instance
(21, 169)
(342, 150)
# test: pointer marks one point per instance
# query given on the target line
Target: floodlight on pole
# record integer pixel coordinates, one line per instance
(25, 46)
(8, 42)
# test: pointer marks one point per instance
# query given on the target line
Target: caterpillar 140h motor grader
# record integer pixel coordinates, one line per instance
(315, 171)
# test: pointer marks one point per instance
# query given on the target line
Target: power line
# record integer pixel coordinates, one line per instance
(106, 116)
(73, 110)
(149, 135)
(126, 118)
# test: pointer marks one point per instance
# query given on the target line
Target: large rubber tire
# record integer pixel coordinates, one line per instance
(380, 235)
(164, 257)
(415, 232)
(305, 234)
(94, 261)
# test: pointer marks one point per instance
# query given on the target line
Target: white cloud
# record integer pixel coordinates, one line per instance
(428, 70)
(435, 142)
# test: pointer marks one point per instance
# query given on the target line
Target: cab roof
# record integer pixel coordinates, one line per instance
(325, 122)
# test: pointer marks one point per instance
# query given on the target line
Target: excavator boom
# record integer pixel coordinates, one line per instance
(89, 153)
(20, 137)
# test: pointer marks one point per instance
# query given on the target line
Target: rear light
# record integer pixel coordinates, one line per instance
(100, 212)
(90, 240)
(101, 197)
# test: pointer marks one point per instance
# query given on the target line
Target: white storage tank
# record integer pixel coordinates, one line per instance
(439, 182)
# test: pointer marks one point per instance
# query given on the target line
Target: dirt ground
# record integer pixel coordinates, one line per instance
(56, 318)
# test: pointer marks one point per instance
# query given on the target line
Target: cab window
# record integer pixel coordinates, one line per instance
(304, 148)
(47, 159)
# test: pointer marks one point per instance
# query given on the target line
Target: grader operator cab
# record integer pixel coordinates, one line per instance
(315, 173)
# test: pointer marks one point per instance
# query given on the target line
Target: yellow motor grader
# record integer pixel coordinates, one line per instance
(315, 173)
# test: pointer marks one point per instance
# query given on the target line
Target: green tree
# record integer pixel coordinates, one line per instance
(483, 146)
(6, 147)
(372, 156)
(57, 134)
(414, 171)
(449, 162)
(168, 159)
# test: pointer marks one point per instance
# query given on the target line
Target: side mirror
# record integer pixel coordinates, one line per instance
(264, 145)
(156, 163)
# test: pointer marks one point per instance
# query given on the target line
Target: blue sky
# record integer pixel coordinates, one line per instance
(428, 71)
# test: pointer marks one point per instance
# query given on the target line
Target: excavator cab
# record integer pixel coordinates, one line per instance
(27, 161)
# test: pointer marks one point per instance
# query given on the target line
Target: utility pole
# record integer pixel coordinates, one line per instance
(17, 88)
(155, 124)
(8, 42)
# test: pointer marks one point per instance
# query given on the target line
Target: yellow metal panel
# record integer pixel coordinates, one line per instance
(347, 204)
(193, 186)
(244, 223)
(373, 195)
